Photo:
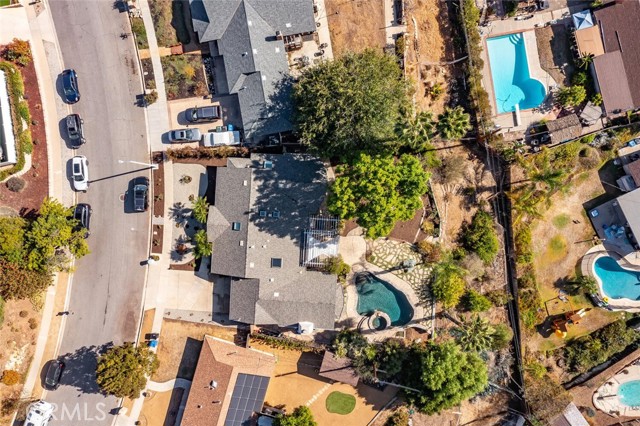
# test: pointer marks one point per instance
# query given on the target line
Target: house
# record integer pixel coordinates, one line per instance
(229, 385)
(268, 236)
(248, 40)
(616, 69)
(338, 369)
(564, 129)
(617, 222)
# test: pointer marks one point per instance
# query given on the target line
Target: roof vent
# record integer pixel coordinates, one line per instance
(277, 50)
(251, 264)
(244, 183)
(245, 53)
(249, 23)
(255, 51)
(213, 384)
(241, 243)
(276, 214)
(263, 213)
(268, 165)
(279, 35)
(264, 78)
(272, 280)
(288, 25)
(276, 294)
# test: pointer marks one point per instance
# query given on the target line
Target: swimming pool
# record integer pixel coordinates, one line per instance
(629, 393)
(617, 282)
(512, 82)
(375, 294)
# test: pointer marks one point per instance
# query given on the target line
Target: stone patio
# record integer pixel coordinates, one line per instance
(389, 255)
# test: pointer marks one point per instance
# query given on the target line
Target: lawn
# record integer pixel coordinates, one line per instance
(340, 403)
(184, 76)
(138, 29)
(169, 22)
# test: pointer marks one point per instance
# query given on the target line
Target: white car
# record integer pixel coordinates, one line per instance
(39, 413)
(80, 173)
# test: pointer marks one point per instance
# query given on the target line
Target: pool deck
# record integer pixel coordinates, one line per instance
(507, 121)
(606, 397)
(630, 261)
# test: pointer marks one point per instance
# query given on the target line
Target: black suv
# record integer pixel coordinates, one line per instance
(54, 373)
(203, 114)
(82, 213)
(75, 130)
(140, 194)
(70, 86)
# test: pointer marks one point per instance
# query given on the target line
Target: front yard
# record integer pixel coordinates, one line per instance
(184, 76)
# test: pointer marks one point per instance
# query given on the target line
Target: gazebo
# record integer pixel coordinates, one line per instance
(583, 19)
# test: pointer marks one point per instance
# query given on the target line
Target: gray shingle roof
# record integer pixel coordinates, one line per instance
(254, 59)
(275, 206)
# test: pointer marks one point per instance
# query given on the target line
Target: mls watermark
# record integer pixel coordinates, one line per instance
(80, 412)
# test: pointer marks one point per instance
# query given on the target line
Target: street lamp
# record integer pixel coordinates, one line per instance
(153, 166)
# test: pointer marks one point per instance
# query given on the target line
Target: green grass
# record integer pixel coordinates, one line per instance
(137, 27)
(561, 220)
(340, 403)
(5, 3)
(556, 249)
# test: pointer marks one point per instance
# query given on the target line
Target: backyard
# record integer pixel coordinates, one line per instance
(355, 25)
(184, 76)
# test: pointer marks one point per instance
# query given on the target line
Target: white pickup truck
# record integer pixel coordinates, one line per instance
(231, 137)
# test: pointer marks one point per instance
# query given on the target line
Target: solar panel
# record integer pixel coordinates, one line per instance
(247, 397)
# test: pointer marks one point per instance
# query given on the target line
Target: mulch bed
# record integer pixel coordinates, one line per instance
(147, 71)
(157, 238)
(158, 185)
(212, 162)
(406, 231)
(37, 179)
(182, 267)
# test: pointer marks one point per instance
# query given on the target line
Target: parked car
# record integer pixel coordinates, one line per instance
(82, 213)
(140, 194)
(39, 413)
(203, 114)
(75, 130)
(54, 373)
(221, 138)
(80, 173)
(184, 135)
(70, 86)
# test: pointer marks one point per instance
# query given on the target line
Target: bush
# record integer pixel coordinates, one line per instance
(11, 377)
(137, 28)
(33, 323)
(25, 142)
(579, 78)
(401, 46)
(335, 265)
(150, 97)
(400, 417)
(596, 99)
(431, 252)
(572, 96)
(23, 314)
(480, 237)
(15, 184)
(447, 284)
(23, 111)
(502, 336)
(498, 297)
(1, 311)
(18, 51)
(475, 302)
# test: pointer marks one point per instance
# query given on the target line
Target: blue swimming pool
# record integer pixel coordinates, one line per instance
(629, 393)
(375, 294)
(512, 83)
(617, 282)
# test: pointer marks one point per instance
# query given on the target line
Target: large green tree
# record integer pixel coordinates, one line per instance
(301, 416)
(572, 96)
(53, 231)
(443, 374)
(352, 103)
(123, 370)
(448, 284)
(480, 237)
(12, 231)
(453, 123)
(378, 191)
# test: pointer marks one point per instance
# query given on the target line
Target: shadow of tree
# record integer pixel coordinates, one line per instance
(181, 248)
(80, 368)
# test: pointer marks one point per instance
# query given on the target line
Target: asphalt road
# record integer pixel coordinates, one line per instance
(108, 284)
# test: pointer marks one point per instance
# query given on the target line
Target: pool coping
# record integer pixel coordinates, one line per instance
(587, 267)
(628, 374)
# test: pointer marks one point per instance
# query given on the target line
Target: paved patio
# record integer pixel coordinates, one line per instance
(389, 254)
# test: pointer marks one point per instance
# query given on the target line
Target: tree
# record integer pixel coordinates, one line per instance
(123, 370)
(200, 209)
(301, 416)
(400, 417)
(571, 96)
(350, 104)
(475, 302)
(582, 284)
(415, 133)
(443, 375)
(378, 191)
(336, 265)
(391, 356)
(501, 337)
(475, 334)
(480, 237)
(18, 51)
(202, 245)
(53, 230)
(453, 123)
(546, 397)
(447, 283)
(351, 344)
(12, 231)
(16, 282)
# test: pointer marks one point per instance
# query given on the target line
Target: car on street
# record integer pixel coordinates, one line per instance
(82, 213)
(80, 173)
(140, 194)
(74, 129)
(70, 86)
(39, 413)
(184, 135)
(55, 368)
(203, 114)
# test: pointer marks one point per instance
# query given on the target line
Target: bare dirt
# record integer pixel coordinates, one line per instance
(37, 184)
(355, 25)
(555, 53)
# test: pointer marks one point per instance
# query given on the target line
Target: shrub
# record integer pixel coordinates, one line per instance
(11, 377)
(498, 297)
(431, 252)
(18, 51)
(400, 417)
(571, 96)
(33, 323)
(475, 302)
(23, 111)
(150, 97)
(25, 142)
(137, 28)
(501, 337)
(23, 314)
(15, 184)
(401, 46)
(9, 405)
(202, 245)
(596, 99)
(480, 237)
(1, 311)
(335, 265)
(579, 78)
(447, 284)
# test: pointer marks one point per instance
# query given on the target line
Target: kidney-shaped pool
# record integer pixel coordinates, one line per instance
(375, 294)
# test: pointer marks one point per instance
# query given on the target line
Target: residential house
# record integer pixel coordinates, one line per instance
(248, 40)
(229, 385)
(268, 236)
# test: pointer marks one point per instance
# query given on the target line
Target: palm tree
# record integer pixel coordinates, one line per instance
(525, 201)
(415, 132)
(202, 245)
(475, 334)
(453, 123)
(585, 60)
(200, 209)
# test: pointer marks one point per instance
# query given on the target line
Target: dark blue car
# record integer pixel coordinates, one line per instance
(70, 86)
